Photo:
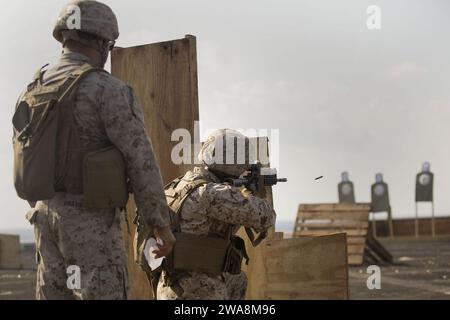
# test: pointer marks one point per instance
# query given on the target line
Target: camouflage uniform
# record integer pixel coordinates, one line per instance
(105, 109)
(211, 209)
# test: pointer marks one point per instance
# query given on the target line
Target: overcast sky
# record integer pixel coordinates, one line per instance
(343, 97)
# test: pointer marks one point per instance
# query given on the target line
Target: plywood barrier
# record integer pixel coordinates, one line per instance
(302, 268)
(10, 257)
(353, 219)
(320, 219)
(164, 77)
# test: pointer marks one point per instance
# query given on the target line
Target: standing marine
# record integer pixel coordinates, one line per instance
(206, 212)
(80, 145)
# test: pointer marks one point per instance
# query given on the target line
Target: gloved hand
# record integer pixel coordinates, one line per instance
(168, 240)
(261, 193)
(245, 192)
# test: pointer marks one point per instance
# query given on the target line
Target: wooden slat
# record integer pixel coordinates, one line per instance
(355, 259)
(317, 232)
(335, 207)
(347, 224)
(355, 248)
(356, 240)
(354, 215)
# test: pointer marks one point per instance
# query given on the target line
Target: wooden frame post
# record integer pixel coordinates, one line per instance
(391, 224)
(416, 222)
(433, 226)
(374, 225)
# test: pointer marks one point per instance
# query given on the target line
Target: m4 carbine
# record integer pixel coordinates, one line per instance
(256, 176)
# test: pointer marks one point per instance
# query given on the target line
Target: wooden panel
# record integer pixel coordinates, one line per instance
(306, 268)
(10, 257)
(164, 77)
(322, 219)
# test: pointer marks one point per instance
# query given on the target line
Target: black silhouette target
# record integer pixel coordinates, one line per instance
(424, 187)
(346, 192)
(380, 197)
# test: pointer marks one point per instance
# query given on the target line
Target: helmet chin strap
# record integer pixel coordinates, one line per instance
(102, 50)
(104, 53)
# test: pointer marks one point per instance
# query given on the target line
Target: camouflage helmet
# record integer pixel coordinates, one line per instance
(226, 152)
(94, 18)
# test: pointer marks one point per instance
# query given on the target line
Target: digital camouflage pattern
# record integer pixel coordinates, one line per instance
(236, 286)
(210, 210)
(68, 235)
(105, 109)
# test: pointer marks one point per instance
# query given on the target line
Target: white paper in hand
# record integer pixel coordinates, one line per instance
(150, 256)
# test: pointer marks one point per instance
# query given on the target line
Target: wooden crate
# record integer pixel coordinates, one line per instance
(321, 219)
(301, 268)
(10, 257)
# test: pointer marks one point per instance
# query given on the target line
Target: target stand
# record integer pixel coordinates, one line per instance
(424, 193)
(416, 220)
(380, 203)
(389, 221)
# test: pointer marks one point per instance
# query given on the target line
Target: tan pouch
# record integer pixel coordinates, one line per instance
(105, 179)
(200, 254)
(34, 154)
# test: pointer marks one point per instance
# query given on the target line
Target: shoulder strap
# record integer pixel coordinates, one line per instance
(251, 237)
(79, 76)
(84, 71)
(177, 197)
(39, 75)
